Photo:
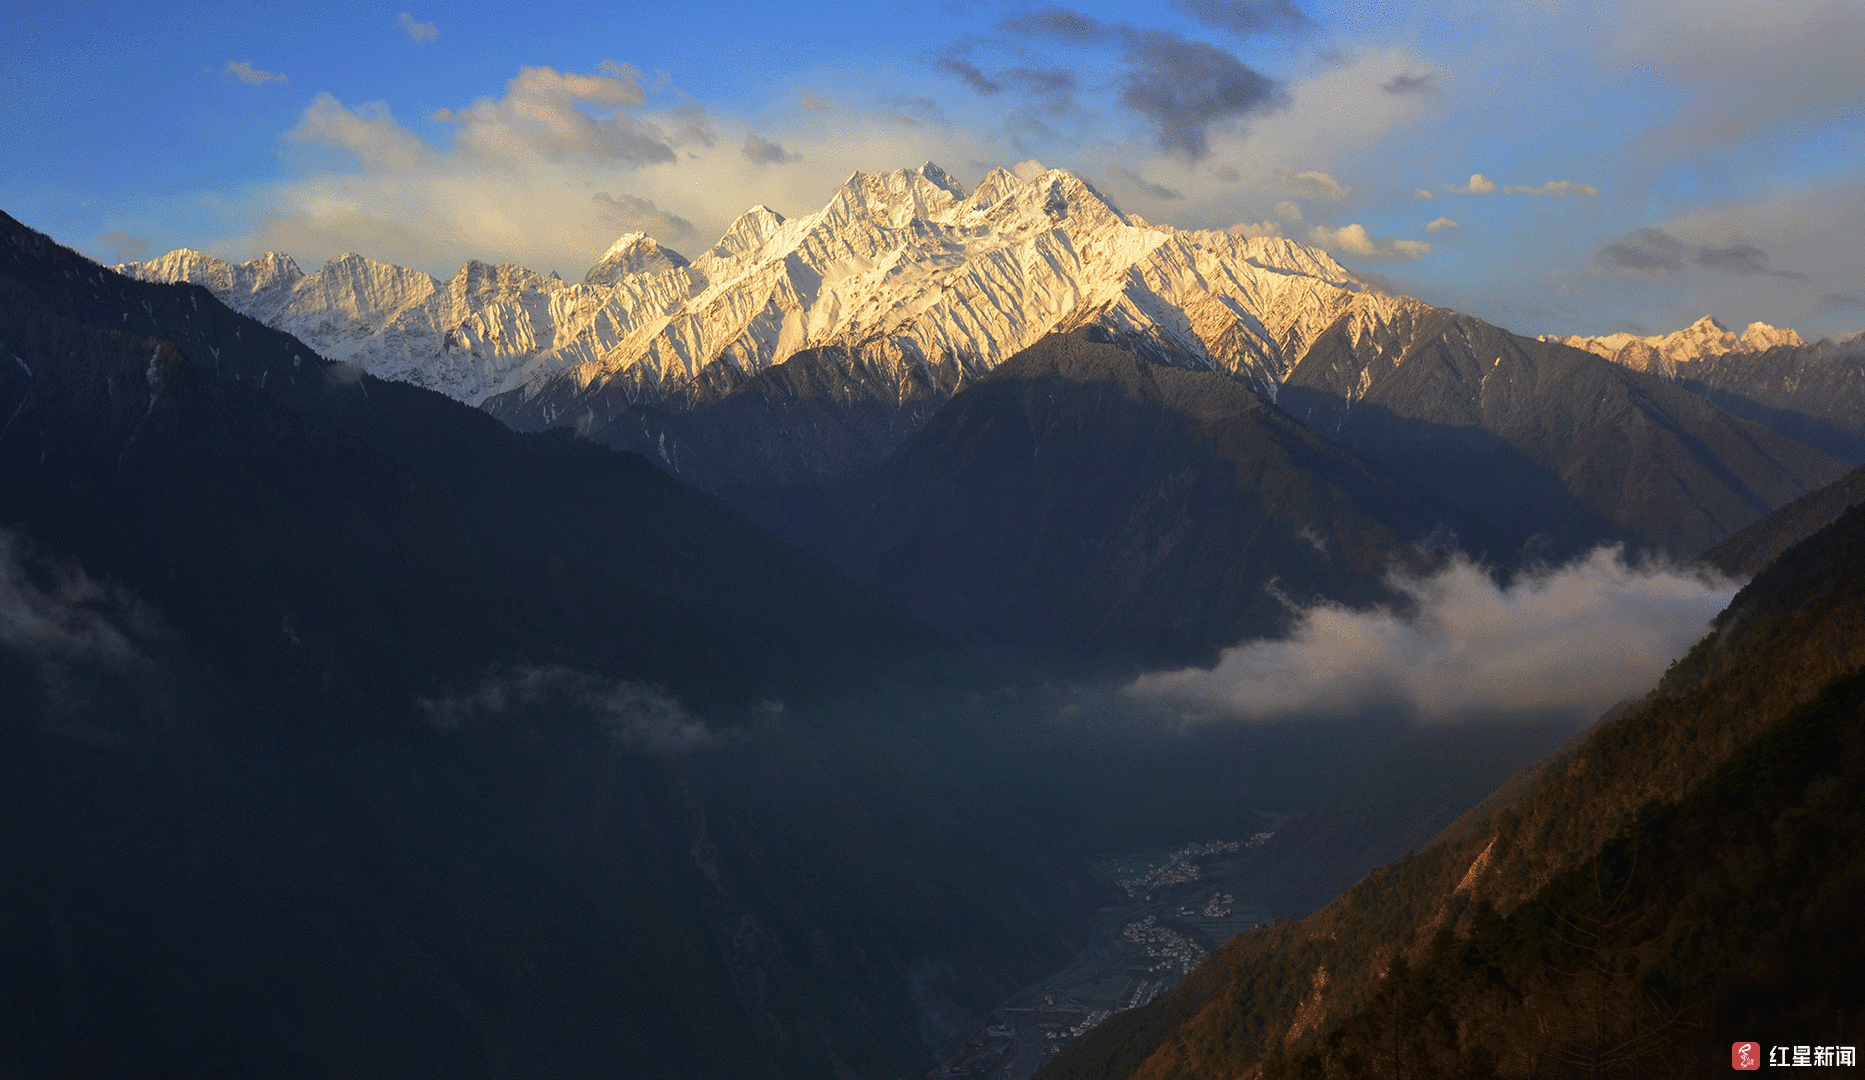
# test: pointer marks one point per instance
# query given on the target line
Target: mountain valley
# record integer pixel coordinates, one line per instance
(726, 666)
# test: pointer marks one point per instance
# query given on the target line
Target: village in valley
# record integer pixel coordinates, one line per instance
(1169, 911)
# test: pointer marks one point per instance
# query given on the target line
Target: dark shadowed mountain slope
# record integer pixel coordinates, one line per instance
(224, 470)
(347, 733)
(1680, 879)
(1814, 393)
(819, 417)
(905, 289)
(1756, 545)
(1557, 445)
(1080, 498)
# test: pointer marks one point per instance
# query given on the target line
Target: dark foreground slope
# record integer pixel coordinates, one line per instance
(220, 466)
(1083, 500)
(1688, 876)
(1750, 549)
(347, 733)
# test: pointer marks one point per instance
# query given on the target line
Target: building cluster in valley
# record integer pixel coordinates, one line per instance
(1174, 914)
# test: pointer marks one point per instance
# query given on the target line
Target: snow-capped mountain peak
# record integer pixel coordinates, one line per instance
(269, 271)
(635, 254)
(1702, 340)
(907, 271)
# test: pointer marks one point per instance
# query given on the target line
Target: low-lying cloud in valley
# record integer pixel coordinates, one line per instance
(58, 614)
(77, 640)
(633, 716)
(1567, 642)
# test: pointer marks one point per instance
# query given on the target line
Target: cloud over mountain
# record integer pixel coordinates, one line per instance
(1653, 250)
(632, 716)
(1569, 641)
(544, 112)
(1355, 240)
(67, 625)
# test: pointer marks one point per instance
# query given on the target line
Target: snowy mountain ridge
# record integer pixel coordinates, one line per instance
(916, 283)
(1659, 354)
(906, 270)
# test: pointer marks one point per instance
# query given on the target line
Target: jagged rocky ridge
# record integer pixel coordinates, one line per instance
(905, 268)
(906, 271)
(1701, 340)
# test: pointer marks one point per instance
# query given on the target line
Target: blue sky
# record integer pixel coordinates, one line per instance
(1588, 166)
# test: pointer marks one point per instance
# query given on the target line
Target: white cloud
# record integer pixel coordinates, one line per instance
(548, 175)
(1566, 642)
(368, 132)
(765, 152)
(511, 177)
(1314, 183)
(244, 71)
(416, 31)
(547, 112)
(1744, 69)
(630, 213)
(1355, 240)
(632, 716)
(1441, 223)
(1478, 185)
(1290, 212)
(1338, 119)
(1555, 188)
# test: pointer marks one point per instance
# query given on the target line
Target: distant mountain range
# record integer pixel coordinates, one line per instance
(908, 285)
(788, 365)
(1812, 392)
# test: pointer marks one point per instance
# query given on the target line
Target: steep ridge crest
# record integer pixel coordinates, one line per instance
(1704, 339)
(904, 270)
